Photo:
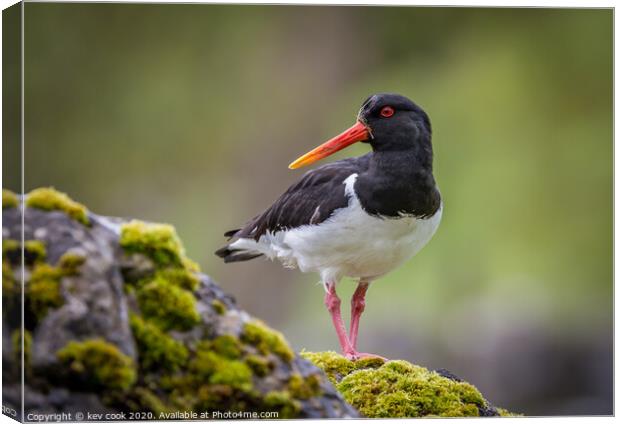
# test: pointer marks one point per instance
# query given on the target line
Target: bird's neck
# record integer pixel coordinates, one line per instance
(399, 182)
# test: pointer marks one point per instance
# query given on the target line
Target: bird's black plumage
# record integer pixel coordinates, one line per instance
(395, 179)
(309, 201)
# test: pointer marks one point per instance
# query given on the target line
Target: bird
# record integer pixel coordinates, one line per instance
(359, 217)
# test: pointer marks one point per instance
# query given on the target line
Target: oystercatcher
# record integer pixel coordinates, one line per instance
(359, 217)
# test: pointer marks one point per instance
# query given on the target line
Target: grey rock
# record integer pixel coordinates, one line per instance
(96, 304)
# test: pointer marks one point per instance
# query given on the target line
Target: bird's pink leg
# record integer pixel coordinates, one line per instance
(358, 303)
(332, 302)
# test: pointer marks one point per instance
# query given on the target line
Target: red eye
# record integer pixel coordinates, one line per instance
(387, 111)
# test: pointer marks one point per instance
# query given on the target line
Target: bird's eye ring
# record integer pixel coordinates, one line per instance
(387, 111)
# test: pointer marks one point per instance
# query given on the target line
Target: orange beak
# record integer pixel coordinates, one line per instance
(357, 132)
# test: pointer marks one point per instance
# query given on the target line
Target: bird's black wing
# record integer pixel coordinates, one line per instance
(309, 201)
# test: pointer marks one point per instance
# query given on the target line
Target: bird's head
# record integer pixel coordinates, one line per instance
(386, 121)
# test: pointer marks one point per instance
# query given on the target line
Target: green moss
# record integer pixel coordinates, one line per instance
(235, 374)
(218, 306)
(260, 366)
(282, 402)
(337, 366)
(141, 399)
(266, 340)
(98, 364)
(70, 262)
(228, 346)
(216, 396)
(505, 413)
(156, 349)
(167, 305)
(17, 346)
(334, 365)
(398, 389)
(220, 370)
(304, 388)
(9, 199)
(35, 250)
(10, 287)
(9, 246)
(49, 199)
(157, 241)
(189, 264)
(43, 290)
(220, 373)
(180, 277)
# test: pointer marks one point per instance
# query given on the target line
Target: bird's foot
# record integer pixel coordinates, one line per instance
(354, 356)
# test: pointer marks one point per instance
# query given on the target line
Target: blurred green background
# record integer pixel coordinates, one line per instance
(189, 114)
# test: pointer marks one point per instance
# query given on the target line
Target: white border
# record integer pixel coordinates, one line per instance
(554, 4)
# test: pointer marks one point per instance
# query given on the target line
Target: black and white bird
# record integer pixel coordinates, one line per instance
(359, 217)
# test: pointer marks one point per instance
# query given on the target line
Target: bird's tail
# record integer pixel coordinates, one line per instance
(236, 255)
(231, 253)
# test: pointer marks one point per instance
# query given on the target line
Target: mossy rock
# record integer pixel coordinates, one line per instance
(267, 340)
(399, 389)
(159, 242)
(283, 402)
(34, 251)
(223, 370)
(177, 312)
(16, 339)
(9, 199)
(160, 336)
(119, 318)
(157, 349)
(42, 289)
(50, 199)
(99, 364)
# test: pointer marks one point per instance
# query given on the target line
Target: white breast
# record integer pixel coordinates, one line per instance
(350, 243)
